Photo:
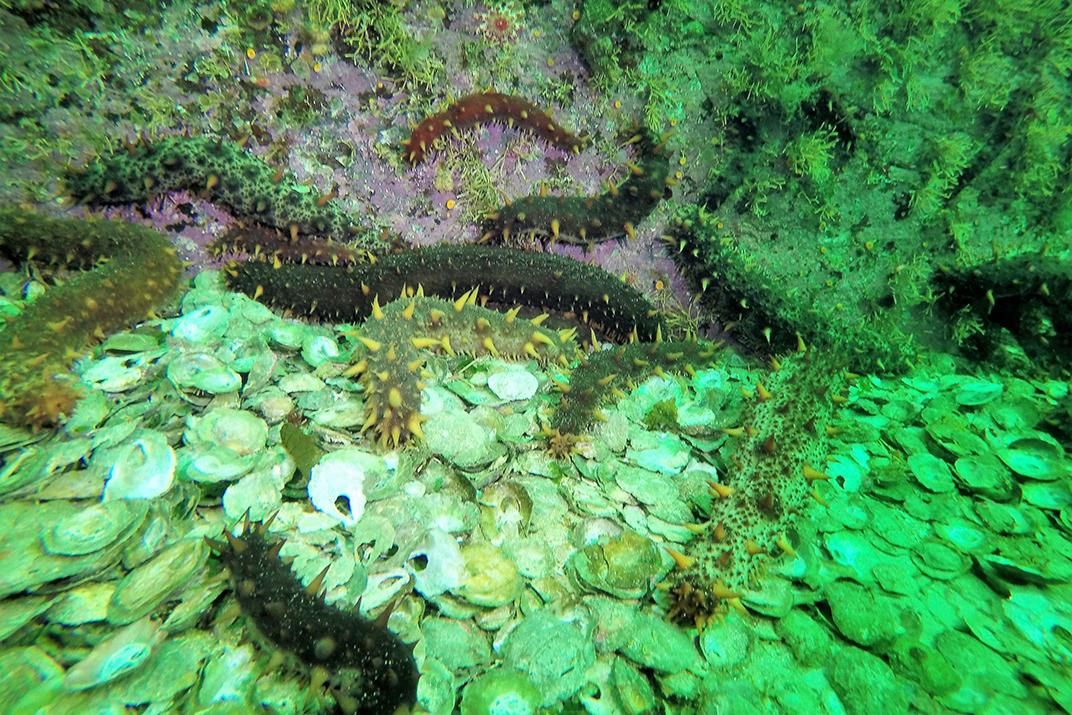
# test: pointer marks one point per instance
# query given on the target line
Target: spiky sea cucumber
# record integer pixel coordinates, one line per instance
(394, 337)
(262, 243)
(605, 372)
(483, 108)
(587, 219)
(778, 459)
(372, 672)
(1019, 296)
(509, 276)
(763, 314)
(222, 171)
(140, 272)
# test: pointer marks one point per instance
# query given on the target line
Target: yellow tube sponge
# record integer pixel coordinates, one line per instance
(132, 270)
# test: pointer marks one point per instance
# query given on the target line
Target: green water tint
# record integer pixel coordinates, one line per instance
(656, 524)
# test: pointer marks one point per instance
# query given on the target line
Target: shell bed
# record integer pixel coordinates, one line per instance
(514, 357)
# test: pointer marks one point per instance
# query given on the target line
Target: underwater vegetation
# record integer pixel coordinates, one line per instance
(535, 357)
(850, 150)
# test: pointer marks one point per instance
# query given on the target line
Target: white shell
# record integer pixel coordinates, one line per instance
(513, 384)
(319, 349)
(185, 371)
(239, 431)
(339, 474)
(201, 325)
(143, 469)
(113, 374)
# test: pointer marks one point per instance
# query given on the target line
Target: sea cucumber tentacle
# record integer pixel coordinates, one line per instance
(511, 277)
(588, 219)
(483, 108)
(141, 272)
(373, 672)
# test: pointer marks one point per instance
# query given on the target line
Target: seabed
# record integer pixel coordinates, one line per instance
(881, 202)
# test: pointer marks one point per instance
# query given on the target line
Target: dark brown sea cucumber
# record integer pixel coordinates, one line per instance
(262, 243)
(483, 108)
(587, 219)
(371, 671)
(509, 276)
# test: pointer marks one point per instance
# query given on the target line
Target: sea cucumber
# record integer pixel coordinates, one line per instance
(262, 243)
(509, 276)
(389, 361)
(605, 372)
(223, 172)
(483, 108)
(140, 272)
(586, 219)
(371, 671)
(778, 459)
(763, 314)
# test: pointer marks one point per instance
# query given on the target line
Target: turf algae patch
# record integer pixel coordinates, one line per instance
(586, 219)
(396, 339)
(132, 270)
(221, 171)
(369, 670)
(506, 276)
(770, 484)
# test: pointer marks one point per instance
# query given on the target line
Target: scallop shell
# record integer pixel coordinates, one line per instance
(1037, 459)
(931, 472)
(94, 528)
(339, 475)
(143, 469)
(202, 325)
(120, 654)
(985, 475)
(146, 587)
(204, 372)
